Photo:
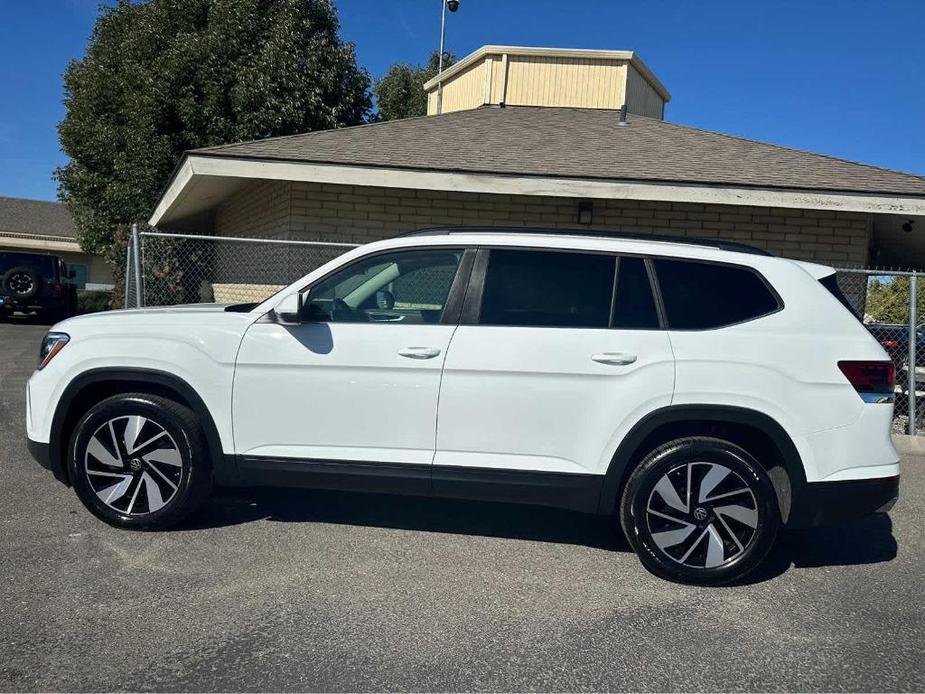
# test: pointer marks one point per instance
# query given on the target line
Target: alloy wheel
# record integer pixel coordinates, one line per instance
(133, 465)
(21, 283)
(702, 515)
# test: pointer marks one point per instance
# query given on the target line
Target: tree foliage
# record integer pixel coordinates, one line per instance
(888, 301)
(400, 94)
(163, 76)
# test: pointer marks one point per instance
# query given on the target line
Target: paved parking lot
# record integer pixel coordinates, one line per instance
(301, 590)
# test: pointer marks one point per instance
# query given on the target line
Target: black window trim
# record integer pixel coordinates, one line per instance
(472, 308)
(472, 304)
(653, 274)
(453, 307)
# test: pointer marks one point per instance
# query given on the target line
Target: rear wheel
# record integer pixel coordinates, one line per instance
(140, 461)
(700, 510)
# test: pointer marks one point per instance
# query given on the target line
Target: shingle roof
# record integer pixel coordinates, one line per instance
(575, 143)
(35, 218)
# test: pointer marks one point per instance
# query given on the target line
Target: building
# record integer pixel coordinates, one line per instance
(38, 226)
(554, 138)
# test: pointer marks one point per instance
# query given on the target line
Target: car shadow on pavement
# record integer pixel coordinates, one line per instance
(27, 319)
(514, 521)
(866, 541)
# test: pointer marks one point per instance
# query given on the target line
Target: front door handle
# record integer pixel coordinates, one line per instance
(419, 352)
(614, 358)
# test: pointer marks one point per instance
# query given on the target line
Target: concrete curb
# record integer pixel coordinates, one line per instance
(909, 445)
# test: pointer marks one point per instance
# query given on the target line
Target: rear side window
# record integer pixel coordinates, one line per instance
(634, 306)
(548, 288)
(699, 296)
(830, 282)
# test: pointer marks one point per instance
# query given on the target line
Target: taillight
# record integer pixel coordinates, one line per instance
(56, 289)
(890, 344)
(875, 381)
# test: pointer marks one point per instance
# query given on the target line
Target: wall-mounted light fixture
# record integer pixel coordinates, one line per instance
(585, 211)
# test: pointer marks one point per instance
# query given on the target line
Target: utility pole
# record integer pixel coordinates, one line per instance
(453, 5)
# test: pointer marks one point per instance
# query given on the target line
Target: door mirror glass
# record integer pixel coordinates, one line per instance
(289, 310)
(385, 299)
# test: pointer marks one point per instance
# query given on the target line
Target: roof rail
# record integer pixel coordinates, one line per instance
(719, 244)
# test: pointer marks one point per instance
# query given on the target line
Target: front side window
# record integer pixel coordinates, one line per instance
(548, 289)
(402, 287)
(699, 296)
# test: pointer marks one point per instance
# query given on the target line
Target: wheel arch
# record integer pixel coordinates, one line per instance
(97, 384)
(749, 428)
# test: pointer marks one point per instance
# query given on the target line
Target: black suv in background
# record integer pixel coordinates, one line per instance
(35, 282)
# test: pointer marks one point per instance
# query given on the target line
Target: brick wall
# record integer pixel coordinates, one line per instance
(260, 209)
(322, 212)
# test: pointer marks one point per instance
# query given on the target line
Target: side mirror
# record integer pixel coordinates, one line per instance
(71, 274)
(289, 310)
(385, 299)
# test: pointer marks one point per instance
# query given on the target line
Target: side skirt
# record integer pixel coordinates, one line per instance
(557, 489)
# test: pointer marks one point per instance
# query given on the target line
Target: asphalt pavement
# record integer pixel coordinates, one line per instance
(305, 590)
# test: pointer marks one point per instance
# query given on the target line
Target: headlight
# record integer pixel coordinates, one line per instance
(51, 345)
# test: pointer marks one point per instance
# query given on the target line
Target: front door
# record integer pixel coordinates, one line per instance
(358, 379)
(554, 364)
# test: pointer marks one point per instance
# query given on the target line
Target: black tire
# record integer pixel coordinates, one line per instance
(152, 469)
(690, 466)
(22, 282)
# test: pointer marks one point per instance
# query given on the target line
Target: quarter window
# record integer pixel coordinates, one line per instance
(548, 288)
(634, 306)
(408, 287)
(699, 295)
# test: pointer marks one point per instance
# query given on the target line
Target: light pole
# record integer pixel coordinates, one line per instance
(453, 5)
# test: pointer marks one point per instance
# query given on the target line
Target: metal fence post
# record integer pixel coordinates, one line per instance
(128, 270)
(911, 427)
(136, 250)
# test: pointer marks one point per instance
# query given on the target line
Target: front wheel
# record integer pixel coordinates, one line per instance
(700, 510)
(139, 461)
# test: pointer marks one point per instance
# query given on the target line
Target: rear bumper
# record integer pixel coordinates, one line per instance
(831, 503)
(42, 454)
(8, 303)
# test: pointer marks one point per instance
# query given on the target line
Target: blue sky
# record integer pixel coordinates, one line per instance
(838, 77)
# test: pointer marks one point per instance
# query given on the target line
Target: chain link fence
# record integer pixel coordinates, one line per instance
(167, 269)
(887, 303)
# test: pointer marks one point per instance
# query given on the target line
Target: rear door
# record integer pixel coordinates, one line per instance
(550, 364)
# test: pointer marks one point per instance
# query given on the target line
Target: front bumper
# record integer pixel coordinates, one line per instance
(42, 454)
(831, 503)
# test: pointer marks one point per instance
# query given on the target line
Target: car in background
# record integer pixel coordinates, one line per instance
(36, 283)
(894, 338)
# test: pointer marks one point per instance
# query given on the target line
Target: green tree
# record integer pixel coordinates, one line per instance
(400, 94)
(888, 301)
(163, 76)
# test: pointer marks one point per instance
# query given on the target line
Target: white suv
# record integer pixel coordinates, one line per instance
(704, 392)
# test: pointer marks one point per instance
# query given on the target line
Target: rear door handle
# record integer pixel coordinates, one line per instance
(614, 358)
(419, 352)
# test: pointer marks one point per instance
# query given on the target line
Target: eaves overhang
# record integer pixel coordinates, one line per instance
(203, 181)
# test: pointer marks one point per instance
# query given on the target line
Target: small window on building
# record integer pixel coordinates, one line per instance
(548, 289)
(634, 307)
(699, 296)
